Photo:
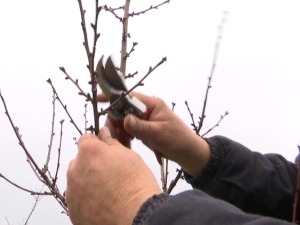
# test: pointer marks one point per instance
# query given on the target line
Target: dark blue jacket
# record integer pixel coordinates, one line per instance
(257, 187)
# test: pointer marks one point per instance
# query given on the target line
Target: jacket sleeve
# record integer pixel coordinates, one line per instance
(195, 207)
(256, 183)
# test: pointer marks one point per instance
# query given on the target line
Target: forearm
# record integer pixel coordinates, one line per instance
(256, 183)
(195, 207)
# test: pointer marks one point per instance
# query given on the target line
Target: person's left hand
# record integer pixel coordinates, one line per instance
(107, 182)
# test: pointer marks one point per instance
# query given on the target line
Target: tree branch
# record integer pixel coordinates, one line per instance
(59, 151)
(64, 107)
(55, 192)
(150, 8)
(81, 92)
(214, 63)
(174, 182)
(216, 125)
(51, 133)
(37, 199)
(124, 38)
(24, 189)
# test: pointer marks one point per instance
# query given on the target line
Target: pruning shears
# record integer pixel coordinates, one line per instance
(122, 103)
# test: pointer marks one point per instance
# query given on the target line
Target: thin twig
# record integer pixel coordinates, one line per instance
(131, 75)
(58, 153)
(214, 63)
(51, 133)
(85, 118)
(91, 69)
(19, 136)
(55, 192)
(64, 107)
(112, 11)
(91, 58)
(37, 199)
(216, 125)
(7, 221)
(165, 166)
(81, 91)
(195, 127)
(83, 26)
(173, 106)
(151, 69)
(150, 8)
(24, 189)
(174, 182)
(132, 49)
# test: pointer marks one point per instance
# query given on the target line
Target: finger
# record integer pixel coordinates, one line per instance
(118, 132)
(89, 146)
(71, 168)
(150, 102)
(86, 139)
(105, 136)
(113, 131)
(142, 129)
(102, 98)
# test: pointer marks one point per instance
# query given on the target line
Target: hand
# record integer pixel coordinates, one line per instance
(107, 182)
(116, 127)
(166, 133)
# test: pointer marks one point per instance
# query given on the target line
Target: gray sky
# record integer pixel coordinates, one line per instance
(256, 79)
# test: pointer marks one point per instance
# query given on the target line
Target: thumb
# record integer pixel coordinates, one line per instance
(138, 128)
(105, 136)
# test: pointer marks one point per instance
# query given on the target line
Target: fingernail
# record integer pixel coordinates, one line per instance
(132, 121)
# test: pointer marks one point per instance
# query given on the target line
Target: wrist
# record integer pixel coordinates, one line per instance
(129, 209)
(196, 156)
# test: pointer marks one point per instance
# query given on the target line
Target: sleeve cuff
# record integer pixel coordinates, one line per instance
(147, 209)
(213, 170)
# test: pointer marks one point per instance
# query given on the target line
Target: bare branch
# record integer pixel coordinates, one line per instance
(174, 182)
(214, 63)
(19, 136)
(59, 151)
(22, 188)
(37, 199)
(85, 118)
(131, 75)
(216, 125)
(81, 92)
(91, 58)
(64, 107)
(124, 38)
(140, 83)
(85, 35)
(7, 221)
(45, 179)
(132, 49)
(112, 11)
(173, 106)
(92, 70)
(51, 133)
(193, 124)
(150, 8)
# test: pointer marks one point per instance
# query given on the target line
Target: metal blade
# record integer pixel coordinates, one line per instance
(114, 78)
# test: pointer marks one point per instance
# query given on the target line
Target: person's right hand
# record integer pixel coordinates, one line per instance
(166, 133)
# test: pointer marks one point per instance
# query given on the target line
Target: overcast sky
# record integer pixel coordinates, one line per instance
(256, 79)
